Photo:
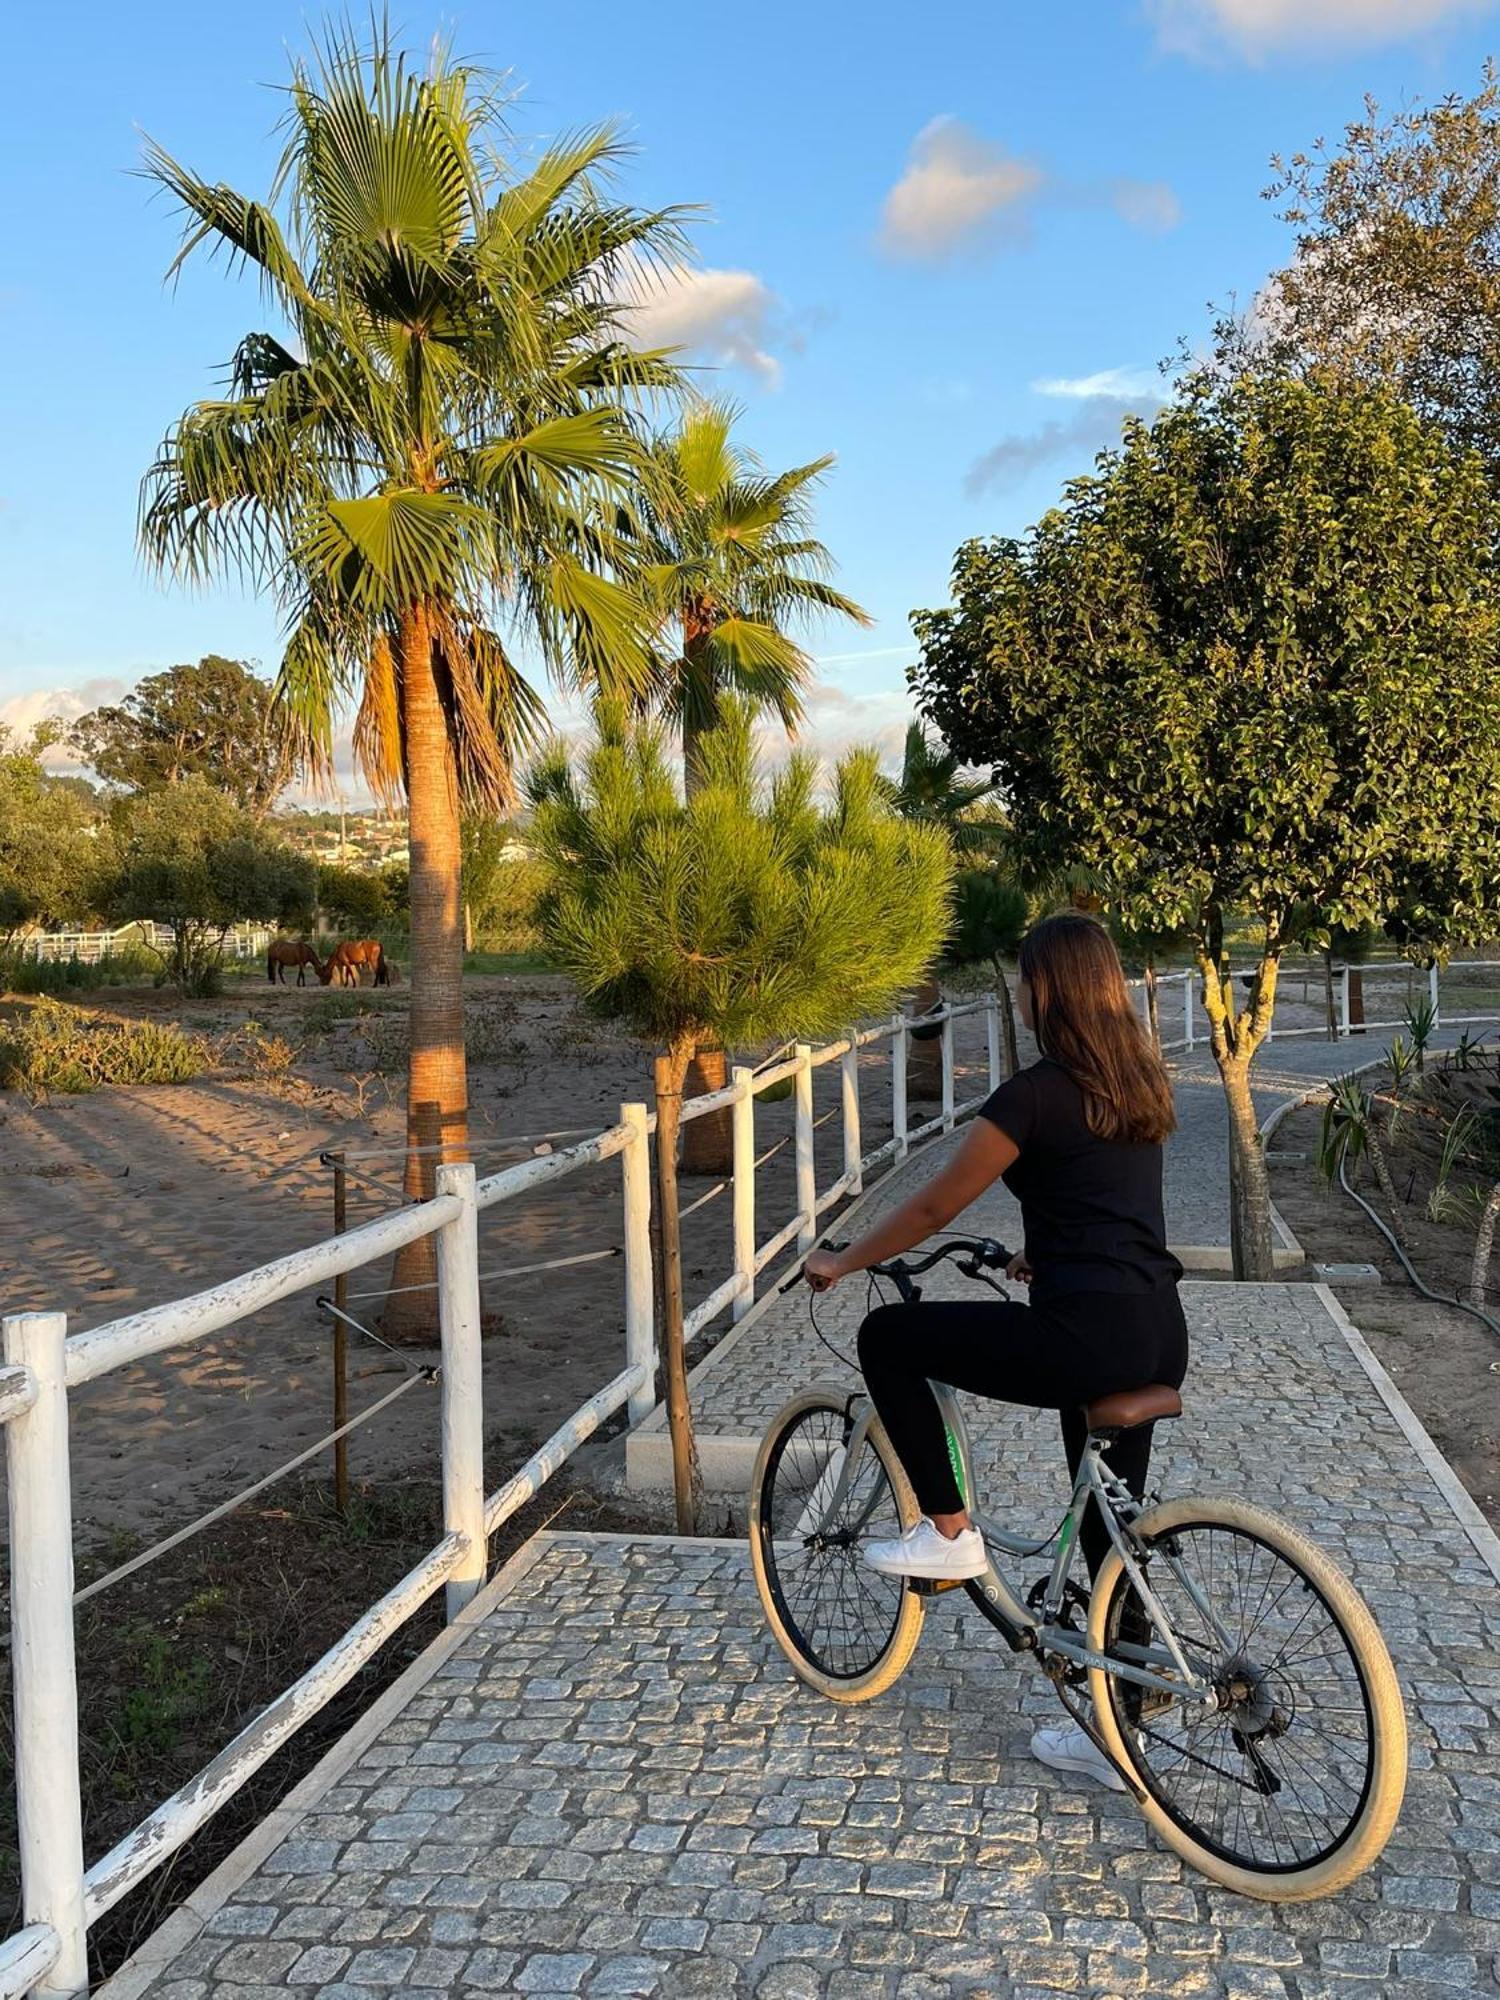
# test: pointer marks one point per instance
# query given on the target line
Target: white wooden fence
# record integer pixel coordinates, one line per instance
(1184, 1025)
(89, 947)
(61, 1895)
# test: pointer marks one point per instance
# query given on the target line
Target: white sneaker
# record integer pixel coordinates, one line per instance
(925, 1551)
(1066, 1748)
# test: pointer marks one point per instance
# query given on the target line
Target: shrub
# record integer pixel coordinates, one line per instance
(53, 1047)
(21, 973)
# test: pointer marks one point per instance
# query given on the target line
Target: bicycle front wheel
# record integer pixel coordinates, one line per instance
(1288, 1787)
(849, 1631)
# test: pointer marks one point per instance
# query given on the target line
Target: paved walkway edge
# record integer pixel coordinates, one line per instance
(185, 1924)
(1439, 1471)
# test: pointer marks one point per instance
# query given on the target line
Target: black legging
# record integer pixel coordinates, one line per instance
(1055, 1355)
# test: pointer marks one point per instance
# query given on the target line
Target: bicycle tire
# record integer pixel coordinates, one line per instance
(851, 1679)
(1383, 1784)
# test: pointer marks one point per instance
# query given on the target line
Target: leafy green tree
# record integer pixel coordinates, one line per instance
(423, 466)
(747, 913)
(190, 859)
(48, 855)
(1248, 666)
(990, 916)
(354, 899)
(1395, 278)
(214, 720)
(732, 565)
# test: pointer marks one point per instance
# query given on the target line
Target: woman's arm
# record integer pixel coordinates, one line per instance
(980, 1160)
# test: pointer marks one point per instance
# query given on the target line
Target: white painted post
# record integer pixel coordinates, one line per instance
(1432, 992)
(742, 1135)
(640, 1322)
(44, 1677)
(898, 1085)
(946, 1046)
(1343, 1000)
(992, 1037)
(807, 1173)
(462, 1383)
(854, 1158)
(1187, 1006)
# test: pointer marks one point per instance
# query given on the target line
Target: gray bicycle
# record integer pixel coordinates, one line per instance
(1227, 1668)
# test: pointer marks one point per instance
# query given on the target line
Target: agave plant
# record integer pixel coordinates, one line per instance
(1349, 1130)
(1442, 1203)
(422, 463)
(1421, 1021)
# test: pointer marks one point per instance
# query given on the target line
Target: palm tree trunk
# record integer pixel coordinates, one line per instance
(1007, 1021)
(437, 1104)
(696, 629)
(708, 1143)
(1484, 1243)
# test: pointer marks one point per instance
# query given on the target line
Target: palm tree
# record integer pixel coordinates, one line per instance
(423, 465)
(732, 563)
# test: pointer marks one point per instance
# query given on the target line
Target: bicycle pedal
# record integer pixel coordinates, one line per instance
(930, 1586)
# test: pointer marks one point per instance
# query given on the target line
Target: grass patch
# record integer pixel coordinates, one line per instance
(497, 963)
(49, 1046)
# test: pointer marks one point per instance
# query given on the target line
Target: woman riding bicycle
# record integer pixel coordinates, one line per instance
(1077, 1138)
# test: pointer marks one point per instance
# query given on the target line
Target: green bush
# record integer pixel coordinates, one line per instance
(23, 974)
(53, 1047)
(507, 918)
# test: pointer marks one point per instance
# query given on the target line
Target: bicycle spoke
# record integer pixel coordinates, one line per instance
(1276, 1776)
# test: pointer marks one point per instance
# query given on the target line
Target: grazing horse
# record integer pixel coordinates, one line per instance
(347, 961)
(283, 952)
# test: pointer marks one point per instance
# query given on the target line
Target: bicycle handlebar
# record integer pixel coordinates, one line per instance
(983, 1253)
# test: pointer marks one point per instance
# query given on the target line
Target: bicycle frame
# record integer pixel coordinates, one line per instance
(1095, 1484)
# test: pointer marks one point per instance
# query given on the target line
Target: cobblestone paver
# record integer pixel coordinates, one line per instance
(615, 1786)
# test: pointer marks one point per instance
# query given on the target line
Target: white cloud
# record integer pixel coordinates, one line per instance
(961, 190)
(1149, 205)
(1256, 28)
(836, 722)
(955, 184)
(1122, 383)
(725, 317)
(22, 712)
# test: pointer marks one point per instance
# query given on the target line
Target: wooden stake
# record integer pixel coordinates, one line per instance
(670, 1070)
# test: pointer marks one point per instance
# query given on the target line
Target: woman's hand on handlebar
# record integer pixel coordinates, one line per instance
(1019, 1269)
(823, 1269)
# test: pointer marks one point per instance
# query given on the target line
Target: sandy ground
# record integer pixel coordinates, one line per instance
(130, 1197)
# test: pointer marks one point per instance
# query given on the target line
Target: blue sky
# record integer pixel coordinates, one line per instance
(917, 221)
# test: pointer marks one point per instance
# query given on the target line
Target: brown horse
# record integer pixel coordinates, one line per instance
(347, 961)
(283, 952)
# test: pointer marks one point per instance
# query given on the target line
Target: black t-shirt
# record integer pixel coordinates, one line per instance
(1092, 1207)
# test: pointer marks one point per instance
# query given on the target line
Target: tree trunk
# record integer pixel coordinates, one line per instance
(1330, 1004)
(924, 1059)
(687, 1478)
(1484, 1243)
(437, 1105)
(1356, 1001)
(1153, 1010)
(1007, 1022)
(1250, 1236)
(1381, 1169)
(707, 1143)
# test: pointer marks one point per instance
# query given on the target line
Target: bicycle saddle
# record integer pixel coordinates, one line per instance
(1129, 1407)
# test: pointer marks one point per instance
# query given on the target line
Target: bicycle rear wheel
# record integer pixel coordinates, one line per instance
(849, 1631)
(1289, 1788)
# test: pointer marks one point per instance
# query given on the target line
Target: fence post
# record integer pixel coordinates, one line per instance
(898, 1085)
(946, 1047)
(1432, 993)
(854, 1156)
(462, 1383)
(44, 1677)
(1343, 1000)
(340, 1341)
(1187, 1006)
(992, 1037)
(742, 1145)
(640, 1329)
(807, 1173)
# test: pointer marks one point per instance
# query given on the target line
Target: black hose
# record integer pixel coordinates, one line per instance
(1440, 1298)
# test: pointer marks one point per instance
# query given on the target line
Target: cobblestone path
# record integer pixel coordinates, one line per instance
(613, 1785)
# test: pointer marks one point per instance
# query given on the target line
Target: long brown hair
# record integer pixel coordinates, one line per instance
(1086, 1024)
